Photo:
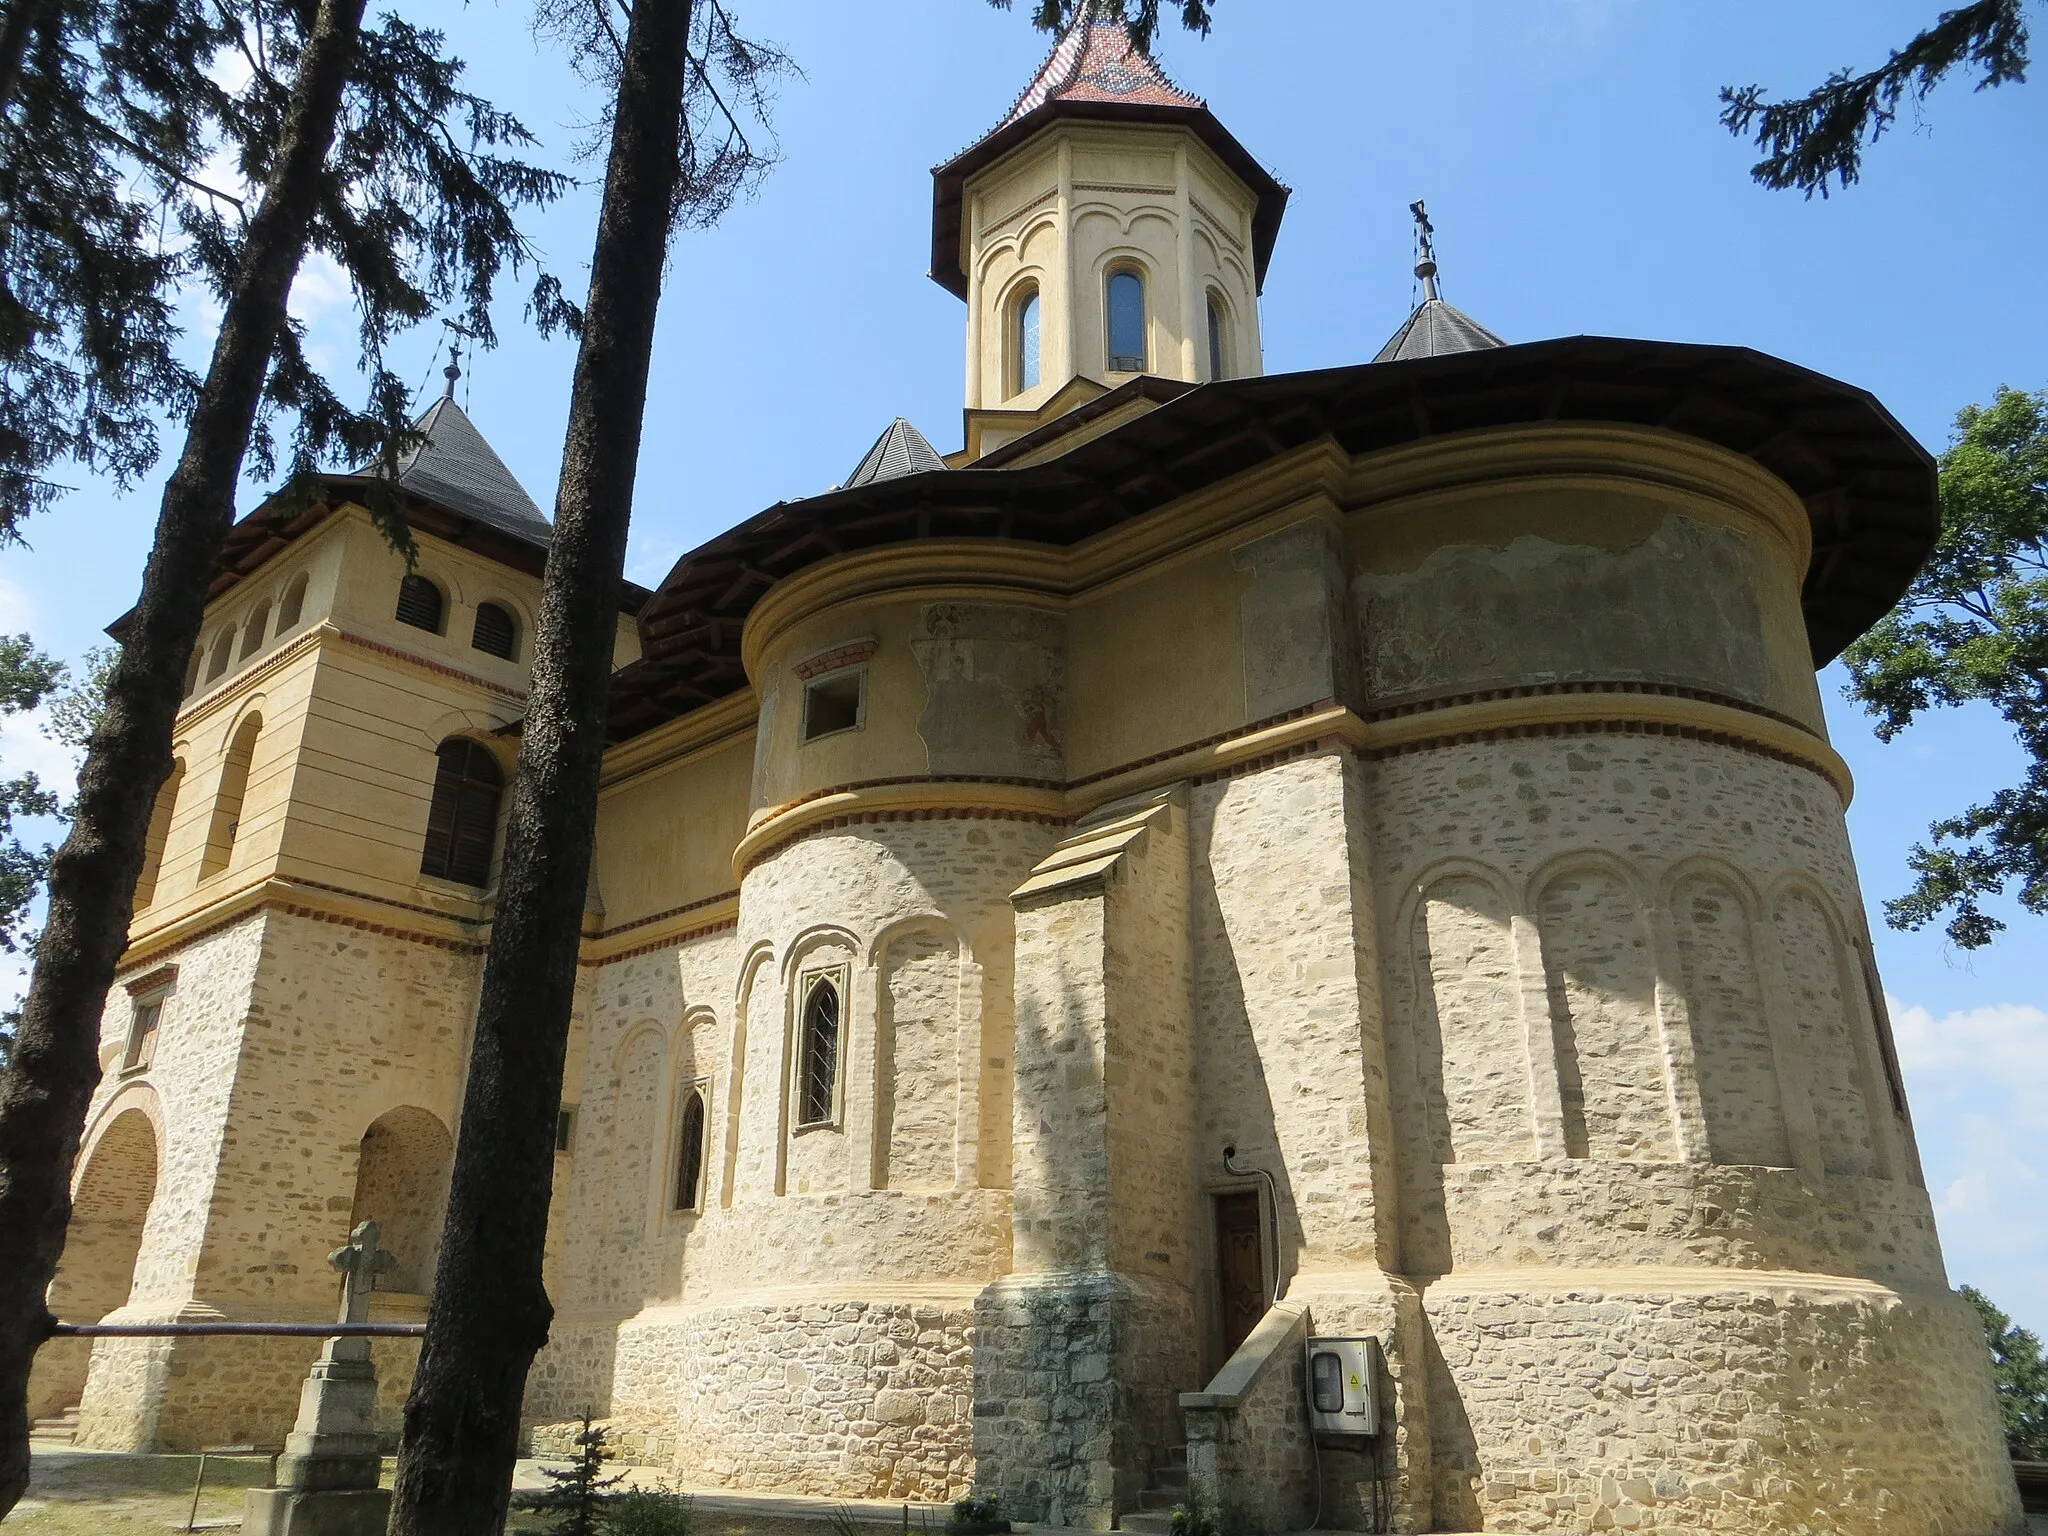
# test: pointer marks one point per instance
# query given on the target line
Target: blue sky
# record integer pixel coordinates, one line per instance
(1579, 182)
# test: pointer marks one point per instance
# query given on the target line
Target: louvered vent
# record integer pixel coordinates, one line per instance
(494, 631)
(419, 603)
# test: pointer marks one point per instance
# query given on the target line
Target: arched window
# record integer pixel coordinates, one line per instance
(226, 821)
(690, 1154)
(462, 820)
(223, 653)
(818, 1060)
(192, 671)
(1029, 367)
(1216, 323)
(293, 604)
(253, 631)
(159, 831)
(494, 630)
(1126, 305)
(419, 603)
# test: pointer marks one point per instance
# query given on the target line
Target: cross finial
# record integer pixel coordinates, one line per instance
(1425, 249)
(360, 1261)
(453, 371)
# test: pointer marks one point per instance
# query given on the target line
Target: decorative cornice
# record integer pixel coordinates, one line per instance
(425, 663)
(1573, 709)
(661, 930)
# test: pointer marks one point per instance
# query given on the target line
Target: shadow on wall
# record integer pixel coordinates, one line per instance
(97, 1270)
(402, 1185)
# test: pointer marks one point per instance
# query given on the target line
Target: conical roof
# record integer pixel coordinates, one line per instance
(1096, 61)
(1435, 329)
(455, 467)
(901, 450)
(1095, 72)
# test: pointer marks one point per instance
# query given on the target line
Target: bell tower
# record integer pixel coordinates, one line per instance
(1109, 228)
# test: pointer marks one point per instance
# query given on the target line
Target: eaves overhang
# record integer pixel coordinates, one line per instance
(284, 518)
(1869, 489)
(949, 181)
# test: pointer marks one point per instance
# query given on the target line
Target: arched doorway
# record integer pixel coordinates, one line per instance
(97, 1270)
(402, 1185)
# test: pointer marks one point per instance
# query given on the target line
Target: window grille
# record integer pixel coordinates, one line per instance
(565, 1128)
(1215, 339)
(254, 630)
(462, 819)
(419, 603)
(690, 1154)
(494, 631)
(1028, 355)
(818, 1067)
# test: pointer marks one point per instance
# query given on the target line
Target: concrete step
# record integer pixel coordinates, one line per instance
(1154, 1499)
(63, 1427)
(1147, 1523)
(1174, 1478)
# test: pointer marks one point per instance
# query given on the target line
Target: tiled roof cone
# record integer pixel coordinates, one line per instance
(1435, 328)
(454, 467)
(902, 450)
(1095, 60)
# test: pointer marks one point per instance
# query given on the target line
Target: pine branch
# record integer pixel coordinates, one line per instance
(1811, 139)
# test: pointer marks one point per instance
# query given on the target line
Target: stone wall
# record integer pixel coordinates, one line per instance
(1683, 1401)
(1252, 1459)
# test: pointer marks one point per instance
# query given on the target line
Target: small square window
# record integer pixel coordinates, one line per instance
(565, 1128)
(835, 702)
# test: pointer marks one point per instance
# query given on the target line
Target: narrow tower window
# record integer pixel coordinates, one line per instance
(419, 603)
(1215, 338)
(293, 603)
(690, 1154)
(1028, 364)
(226, 822)
(223, 653)
(462, 820)
(494, 631)
(818, 1062)
(1126, 323)
(159, 832)
(253, 631)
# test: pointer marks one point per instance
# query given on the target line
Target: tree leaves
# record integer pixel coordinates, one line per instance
(1973, 628)
(2019, 1374)
(1820, 135)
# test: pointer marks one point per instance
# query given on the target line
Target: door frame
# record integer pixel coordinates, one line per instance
(1212, 1268)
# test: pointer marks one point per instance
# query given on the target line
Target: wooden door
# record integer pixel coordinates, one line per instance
(1240, 1266)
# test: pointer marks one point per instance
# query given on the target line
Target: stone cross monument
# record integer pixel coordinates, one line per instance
(327, 1477)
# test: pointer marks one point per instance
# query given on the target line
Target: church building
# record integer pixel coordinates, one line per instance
(1222, 861)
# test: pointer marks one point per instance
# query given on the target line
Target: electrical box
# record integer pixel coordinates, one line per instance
(1343, 1386)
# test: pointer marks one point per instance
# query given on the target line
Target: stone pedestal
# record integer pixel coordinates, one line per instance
(327, 1476)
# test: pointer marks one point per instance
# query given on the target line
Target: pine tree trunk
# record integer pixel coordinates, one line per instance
(55, 1063)
(489, 1314)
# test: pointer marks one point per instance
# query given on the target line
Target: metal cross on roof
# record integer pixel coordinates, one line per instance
(1425, 249)
(360, 1261)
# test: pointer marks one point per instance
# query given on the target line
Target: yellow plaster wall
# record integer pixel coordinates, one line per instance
(1078, 202)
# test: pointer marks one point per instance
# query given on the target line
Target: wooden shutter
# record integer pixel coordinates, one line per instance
(462, 818)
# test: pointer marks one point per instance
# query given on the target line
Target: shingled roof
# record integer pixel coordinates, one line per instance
(901, 450)
(453, 466)
(1434, 330)
(1095, 72)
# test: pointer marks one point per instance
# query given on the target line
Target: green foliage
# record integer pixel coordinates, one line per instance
(1142, 16)
(1811, 138)
(107, 214)
(2020, 1374)
(647, 1512)
(977, 1509)
(1197, 1517)
(579, 1491)
(1973, 627)
(27, 677)
(76, 709)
